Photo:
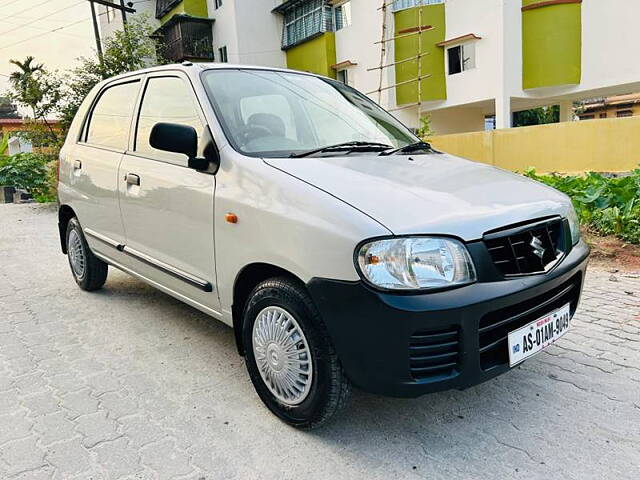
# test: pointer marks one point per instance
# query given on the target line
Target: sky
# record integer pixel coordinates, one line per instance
(26, 29)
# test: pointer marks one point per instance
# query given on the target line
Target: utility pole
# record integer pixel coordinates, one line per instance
(107, 3)
(96, 31)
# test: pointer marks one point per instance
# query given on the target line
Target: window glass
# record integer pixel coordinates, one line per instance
(342, 76)
(111, 117)
(342, 14)
(275, 114)
(166, 99)
(468, 56)
(222, 54)
(270, 112)
(455, 64)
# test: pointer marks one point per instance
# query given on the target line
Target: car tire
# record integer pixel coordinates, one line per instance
(282, 328)
(88, 271)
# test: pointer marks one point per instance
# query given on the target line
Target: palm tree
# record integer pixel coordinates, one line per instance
(26, 72)
(28, 81)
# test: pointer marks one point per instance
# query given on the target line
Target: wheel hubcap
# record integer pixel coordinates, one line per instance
(76, 254)
(282, 355)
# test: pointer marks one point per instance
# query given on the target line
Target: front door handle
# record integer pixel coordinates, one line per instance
(77, 165)
(132, 179)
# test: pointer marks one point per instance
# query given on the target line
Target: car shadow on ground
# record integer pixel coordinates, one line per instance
(374, 414)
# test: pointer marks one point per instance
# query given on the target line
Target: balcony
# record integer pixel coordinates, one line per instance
(164, 6)
(187, 38)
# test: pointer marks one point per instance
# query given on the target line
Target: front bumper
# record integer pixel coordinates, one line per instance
(408, 345)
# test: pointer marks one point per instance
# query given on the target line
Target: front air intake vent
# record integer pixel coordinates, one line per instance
(434, 354)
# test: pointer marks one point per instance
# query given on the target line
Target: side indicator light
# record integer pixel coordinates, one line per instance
(231, 218)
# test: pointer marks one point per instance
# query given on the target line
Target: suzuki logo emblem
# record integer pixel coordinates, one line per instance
(538, 247)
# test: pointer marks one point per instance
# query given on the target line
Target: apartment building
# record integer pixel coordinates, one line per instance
(459, 61)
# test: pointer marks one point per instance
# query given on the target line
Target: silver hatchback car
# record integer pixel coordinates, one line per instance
(341, 248)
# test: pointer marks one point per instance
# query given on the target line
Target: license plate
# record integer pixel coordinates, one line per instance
(538, 335)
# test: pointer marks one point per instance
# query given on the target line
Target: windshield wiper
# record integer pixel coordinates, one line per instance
(413, 147)
(345, 147)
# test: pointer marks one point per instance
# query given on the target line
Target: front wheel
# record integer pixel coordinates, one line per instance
(88, 271)
(289, 356)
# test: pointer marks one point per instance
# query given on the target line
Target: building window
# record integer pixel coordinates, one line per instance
(624, 113)
(306, 20)
(603, 115)
(217, 4)
(587, 117)
(461, 58)
(222, 55)
(343, 76)
(342, 16)
(403, 4)
(490, 122)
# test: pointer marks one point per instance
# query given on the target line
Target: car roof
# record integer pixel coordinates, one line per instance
(193, 67)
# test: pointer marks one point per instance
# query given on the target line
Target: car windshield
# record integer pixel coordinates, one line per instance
(279, 114)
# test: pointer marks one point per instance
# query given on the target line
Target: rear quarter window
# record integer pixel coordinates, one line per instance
(111, 116)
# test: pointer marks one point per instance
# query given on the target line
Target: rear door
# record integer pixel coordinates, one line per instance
(95, 160)
(166, 207)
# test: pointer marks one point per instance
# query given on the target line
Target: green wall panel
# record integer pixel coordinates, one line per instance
(315, 55)
(434, 87)
(195, 8)
(551, 45)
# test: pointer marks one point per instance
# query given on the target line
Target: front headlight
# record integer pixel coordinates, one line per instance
(574, 225)
(415, 263)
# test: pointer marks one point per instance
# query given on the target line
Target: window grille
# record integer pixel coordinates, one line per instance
(403, 4)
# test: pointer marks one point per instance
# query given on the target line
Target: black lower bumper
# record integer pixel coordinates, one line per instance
(409, 345)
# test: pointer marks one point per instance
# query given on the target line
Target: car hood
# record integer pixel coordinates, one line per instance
(429, 194)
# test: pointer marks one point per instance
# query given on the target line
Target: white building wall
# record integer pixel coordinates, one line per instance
(225, 29)
(251, 33)
(610, 40)
(260, 33)
(108, 27)
(482, 19)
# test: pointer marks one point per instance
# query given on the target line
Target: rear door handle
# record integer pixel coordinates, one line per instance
(132, 179)
(77, 165)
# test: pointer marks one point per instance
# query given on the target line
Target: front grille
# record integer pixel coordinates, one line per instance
(495, 326)
(526, 249)
(434, 354)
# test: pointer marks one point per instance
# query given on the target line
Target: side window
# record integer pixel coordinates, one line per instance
(111, 116)
(166, 99)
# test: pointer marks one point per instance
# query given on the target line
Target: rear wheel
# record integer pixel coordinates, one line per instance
(88, 271)
(289, 355)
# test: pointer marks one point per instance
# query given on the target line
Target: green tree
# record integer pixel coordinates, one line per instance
(537, 116)
(38, 91)
(8, 109)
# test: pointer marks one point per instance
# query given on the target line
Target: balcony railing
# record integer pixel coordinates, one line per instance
(189, 48)
(164, 6)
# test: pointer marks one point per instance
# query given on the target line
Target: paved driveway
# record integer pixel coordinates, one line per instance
(128, 382)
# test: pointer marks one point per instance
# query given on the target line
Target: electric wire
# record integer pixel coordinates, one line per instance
(40, 18)
(44, 33)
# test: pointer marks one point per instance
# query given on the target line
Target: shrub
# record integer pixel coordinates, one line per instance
(605, 205)
(33, 172)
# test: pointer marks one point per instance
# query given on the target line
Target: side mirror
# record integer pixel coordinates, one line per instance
(177, 138)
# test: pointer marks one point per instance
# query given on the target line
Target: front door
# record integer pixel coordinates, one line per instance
(167, 208)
